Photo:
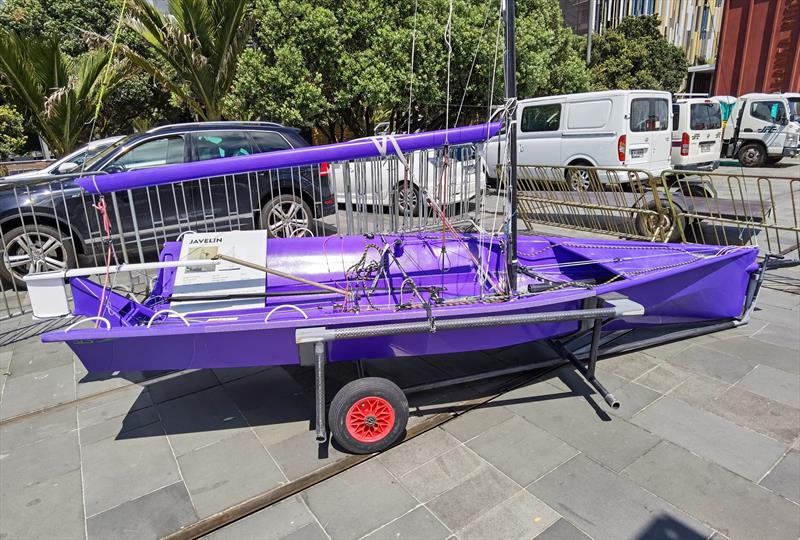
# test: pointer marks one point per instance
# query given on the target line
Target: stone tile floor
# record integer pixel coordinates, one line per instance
(706, 444)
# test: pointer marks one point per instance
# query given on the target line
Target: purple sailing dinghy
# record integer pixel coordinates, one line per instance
(240, 299)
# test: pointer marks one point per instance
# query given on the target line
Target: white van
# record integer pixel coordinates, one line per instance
(696, 134)
(616, 128)
(759, 130)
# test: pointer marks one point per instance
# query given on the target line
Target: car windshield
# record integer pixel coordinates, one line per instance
(99, 157)
(705, 116)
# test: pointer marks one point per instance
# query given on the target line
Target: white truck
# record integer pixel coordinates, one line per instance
(696, 134)
(759, 130)
(615, 128)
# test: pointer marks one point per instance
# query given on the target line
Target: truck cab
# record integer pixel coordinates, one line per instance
(696, 134)
(759, 130)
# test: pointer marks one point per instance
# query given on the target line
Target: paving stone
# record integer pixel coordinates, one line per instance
(114, 404)
(119, 426)
(608, 506)
(757, 352)
(216, 478)
(521, 516)
(778, 334)
(476, 421)
(301, 454)
(35, 357)
(627, 366)
(663, 378)
(225, 375)
(200, 419)
(704, 360)
(562, 530)
(38, 427)
(272, 523)
(37, 390)
(417, 524)
(31, 464)
(773, 384)
(699, 390)
(275, 403)
(778, 299)
(410, 455)
(443, 473)
(52, 509)
(712, 437)
(461, 505)
(581, 422)
(182, 384)
(521, 450)
(632, 397)
(154, 515)
(358, 501)
(116, 471)
(785, 477)
(726, 501)
(758, 413)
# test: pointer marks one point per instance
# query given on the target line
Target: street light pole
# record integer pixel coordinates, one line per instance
(592, 8)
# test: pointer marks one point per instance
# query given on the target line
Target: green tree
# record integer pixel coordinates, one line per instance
(194, 50)
(57, 93)
(635, 55)
(330, 64)
(12, 131)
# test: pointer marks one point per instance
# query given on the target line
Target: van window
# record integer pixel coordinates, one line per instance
(768, 111)
(705, 116)
(649, 114)
(541, 117)
(589, 114)
(676, 117)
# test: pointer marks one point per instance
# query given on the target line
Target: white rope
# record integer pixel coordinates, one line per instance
(411, 77)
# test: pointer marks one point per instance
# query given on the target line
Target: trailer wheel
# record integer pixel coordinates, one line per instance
(651, 224)
(752, 155)
(368, 415)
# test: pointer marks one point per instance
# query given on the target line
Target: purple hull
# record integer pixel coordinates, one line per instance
(675, 283)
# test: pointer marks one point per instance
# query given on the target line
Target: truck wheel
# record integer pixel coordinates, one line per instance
(30, 249)
(752, 155)
(654, 225)
(368, 415)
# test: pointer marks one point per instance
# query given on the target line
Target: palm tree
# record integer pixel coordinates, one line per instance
(57, 93)
(195, 48)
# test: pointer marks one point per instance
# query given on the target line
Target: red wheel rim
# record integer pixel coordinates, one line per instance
(370, 419)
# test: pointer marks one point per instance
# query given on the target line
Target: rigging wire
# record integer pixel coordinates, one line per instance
(411, 77)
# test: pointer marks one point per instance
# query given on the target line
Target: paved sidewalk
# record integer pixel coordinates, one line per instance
(706, 443)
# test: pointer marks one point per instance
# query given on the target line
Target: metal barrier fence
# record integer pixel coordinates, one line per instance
(679, 206)
(53, 224)
(623, 202)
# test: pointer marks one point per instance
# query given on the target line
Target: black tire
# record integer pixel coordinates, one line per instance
(376, 431)
(34, 248)
(752, 155)
(647, 224)
(286, 216)
(773, 160)
(407, 195)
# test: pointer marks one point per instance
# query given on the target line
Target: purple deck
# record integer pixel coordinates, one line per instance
(675, 283)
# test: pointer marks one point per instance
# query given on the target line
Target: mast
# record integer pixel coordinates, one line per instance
(510, 79)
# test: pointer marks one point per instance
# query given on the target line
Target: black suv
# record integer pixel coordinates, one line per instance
(50, 225)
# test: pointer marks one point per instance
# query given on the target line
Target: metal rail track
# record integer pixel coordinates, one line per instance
(273, 496)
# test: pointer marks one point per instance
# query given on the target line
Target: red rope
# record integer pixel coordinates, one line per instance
(106, 220)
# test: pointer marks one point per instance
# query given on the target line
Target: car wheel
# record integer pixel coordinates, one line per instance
(752, 155)
(581, 179)
(32, 249)
(407, 199)
(286, 216)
